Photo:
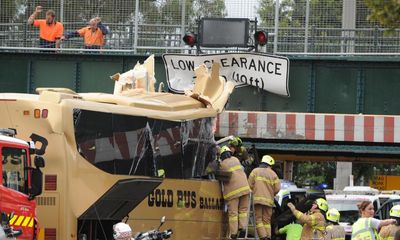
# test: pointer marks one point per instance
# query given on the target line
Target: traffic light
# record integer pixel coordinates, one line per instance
(261, 38)
(190, 39)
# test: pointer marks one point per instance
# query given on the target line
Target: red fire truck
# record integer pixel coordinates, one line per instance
(21, 182)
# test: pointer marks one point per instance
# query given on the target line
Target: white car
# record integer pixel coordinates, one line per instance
(346, 202)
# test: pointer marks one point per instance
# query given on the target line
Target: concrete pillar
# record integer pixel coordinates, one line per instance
(344, 175)
(288, 170)
(348, 22)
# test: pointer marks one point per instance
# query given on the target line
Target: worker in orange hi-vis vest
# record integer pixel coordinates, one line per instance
(50, 30)
(265, 185)
(93, 35)
(236, 192)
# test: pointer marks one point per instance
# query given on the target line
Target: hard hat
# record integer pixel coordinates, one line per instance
(236, 142)
(268, 160)
(333, 215)
(224, 149)
(395, 211)
(122, 231)
(322, 204)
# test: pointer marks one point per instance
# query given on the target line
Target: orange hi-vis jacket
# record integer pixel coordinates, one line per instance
(49, 32)
(265, 185)
(237, 185)
(91, 38)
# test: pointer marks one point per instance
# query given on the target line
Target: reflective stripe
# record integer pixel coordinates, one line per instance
(264, 199)
(313, 220)
(19, 221)
(243, 215)
(235, 168)
(31, 222)
(321, 228)
(267, 225)
(26, 221)
(259, 225)
(233, 219)
(337, 238)
(239, 190)
(299, 215)
(13, 219)
(266, 180)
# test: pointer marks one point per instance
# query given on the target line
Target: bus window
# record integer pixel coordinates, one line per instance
(199, 147)
(133, 145)
(14, 161)
(166, 140)
(117, 144)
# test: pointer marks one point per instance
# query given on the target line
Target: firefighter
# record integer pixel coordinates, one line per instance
(365, 228)
(265, 185)
(236, 192)
(389, 232)
(334, 231)
(240, 151)
(313, 221)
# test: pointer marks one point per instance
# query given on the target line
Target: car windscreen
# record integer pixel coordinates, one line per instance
(347, 208)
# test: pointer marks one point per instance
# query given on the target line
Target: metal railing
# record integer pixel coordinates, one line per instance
(158, 39)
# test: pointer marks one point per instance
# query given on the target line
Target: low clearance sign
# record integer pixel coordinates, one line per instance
(268, 72)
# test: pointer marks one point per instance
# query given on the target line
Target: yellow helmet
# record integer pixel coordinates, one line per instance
(333, 215)
(395, 211)
(268, 160)
(224, 149)
(236, 141)
(322, 204)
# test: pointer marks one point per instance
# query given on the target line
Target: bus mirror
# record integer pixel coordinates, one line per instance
(36, 138)
(36, 182)
(39, 162)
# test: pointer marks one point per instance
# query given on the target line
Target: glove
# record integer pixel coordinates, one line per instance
(291, 206)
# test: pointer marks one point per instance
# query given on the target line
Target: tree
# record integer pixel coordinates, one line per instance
(387, 13)
(314, 173)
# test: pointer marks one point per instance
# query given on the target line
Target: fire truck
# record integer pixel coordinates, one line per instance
(21, 183)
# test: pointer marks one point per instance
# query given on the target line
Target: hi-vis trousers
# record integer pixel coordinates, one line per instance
(237, 211)
(263, 220)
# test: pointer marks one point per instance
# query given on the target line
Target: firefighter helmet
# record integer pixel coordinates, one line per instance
(322, 204)
(268, 160)
(333, 215)
(122, 231)
(395, 211)
(236, 141)
(224, 149)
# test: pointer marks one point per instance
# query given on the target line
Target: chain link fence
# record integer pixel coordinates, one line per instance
(157, 26)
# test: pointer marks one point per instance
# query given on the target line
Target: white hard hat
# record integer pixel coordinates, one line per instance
(122, 231)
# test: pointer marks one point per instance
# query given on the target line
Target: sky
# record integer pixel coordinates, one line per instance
(241, 8)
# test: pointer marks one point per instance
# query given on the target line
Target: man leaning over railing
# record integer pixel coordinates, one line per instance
(50, 30)
(93, 35)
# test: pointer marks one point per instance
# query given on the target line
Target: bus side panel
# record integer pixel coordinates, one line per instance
(194, 209)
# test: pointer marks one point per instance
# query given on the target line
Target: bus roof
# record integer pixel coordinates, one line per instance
(165, 106)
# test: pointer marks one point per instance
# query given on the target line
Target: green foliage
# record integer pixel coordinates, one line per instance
(292, 13)
(387, 13)
(313, 173)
